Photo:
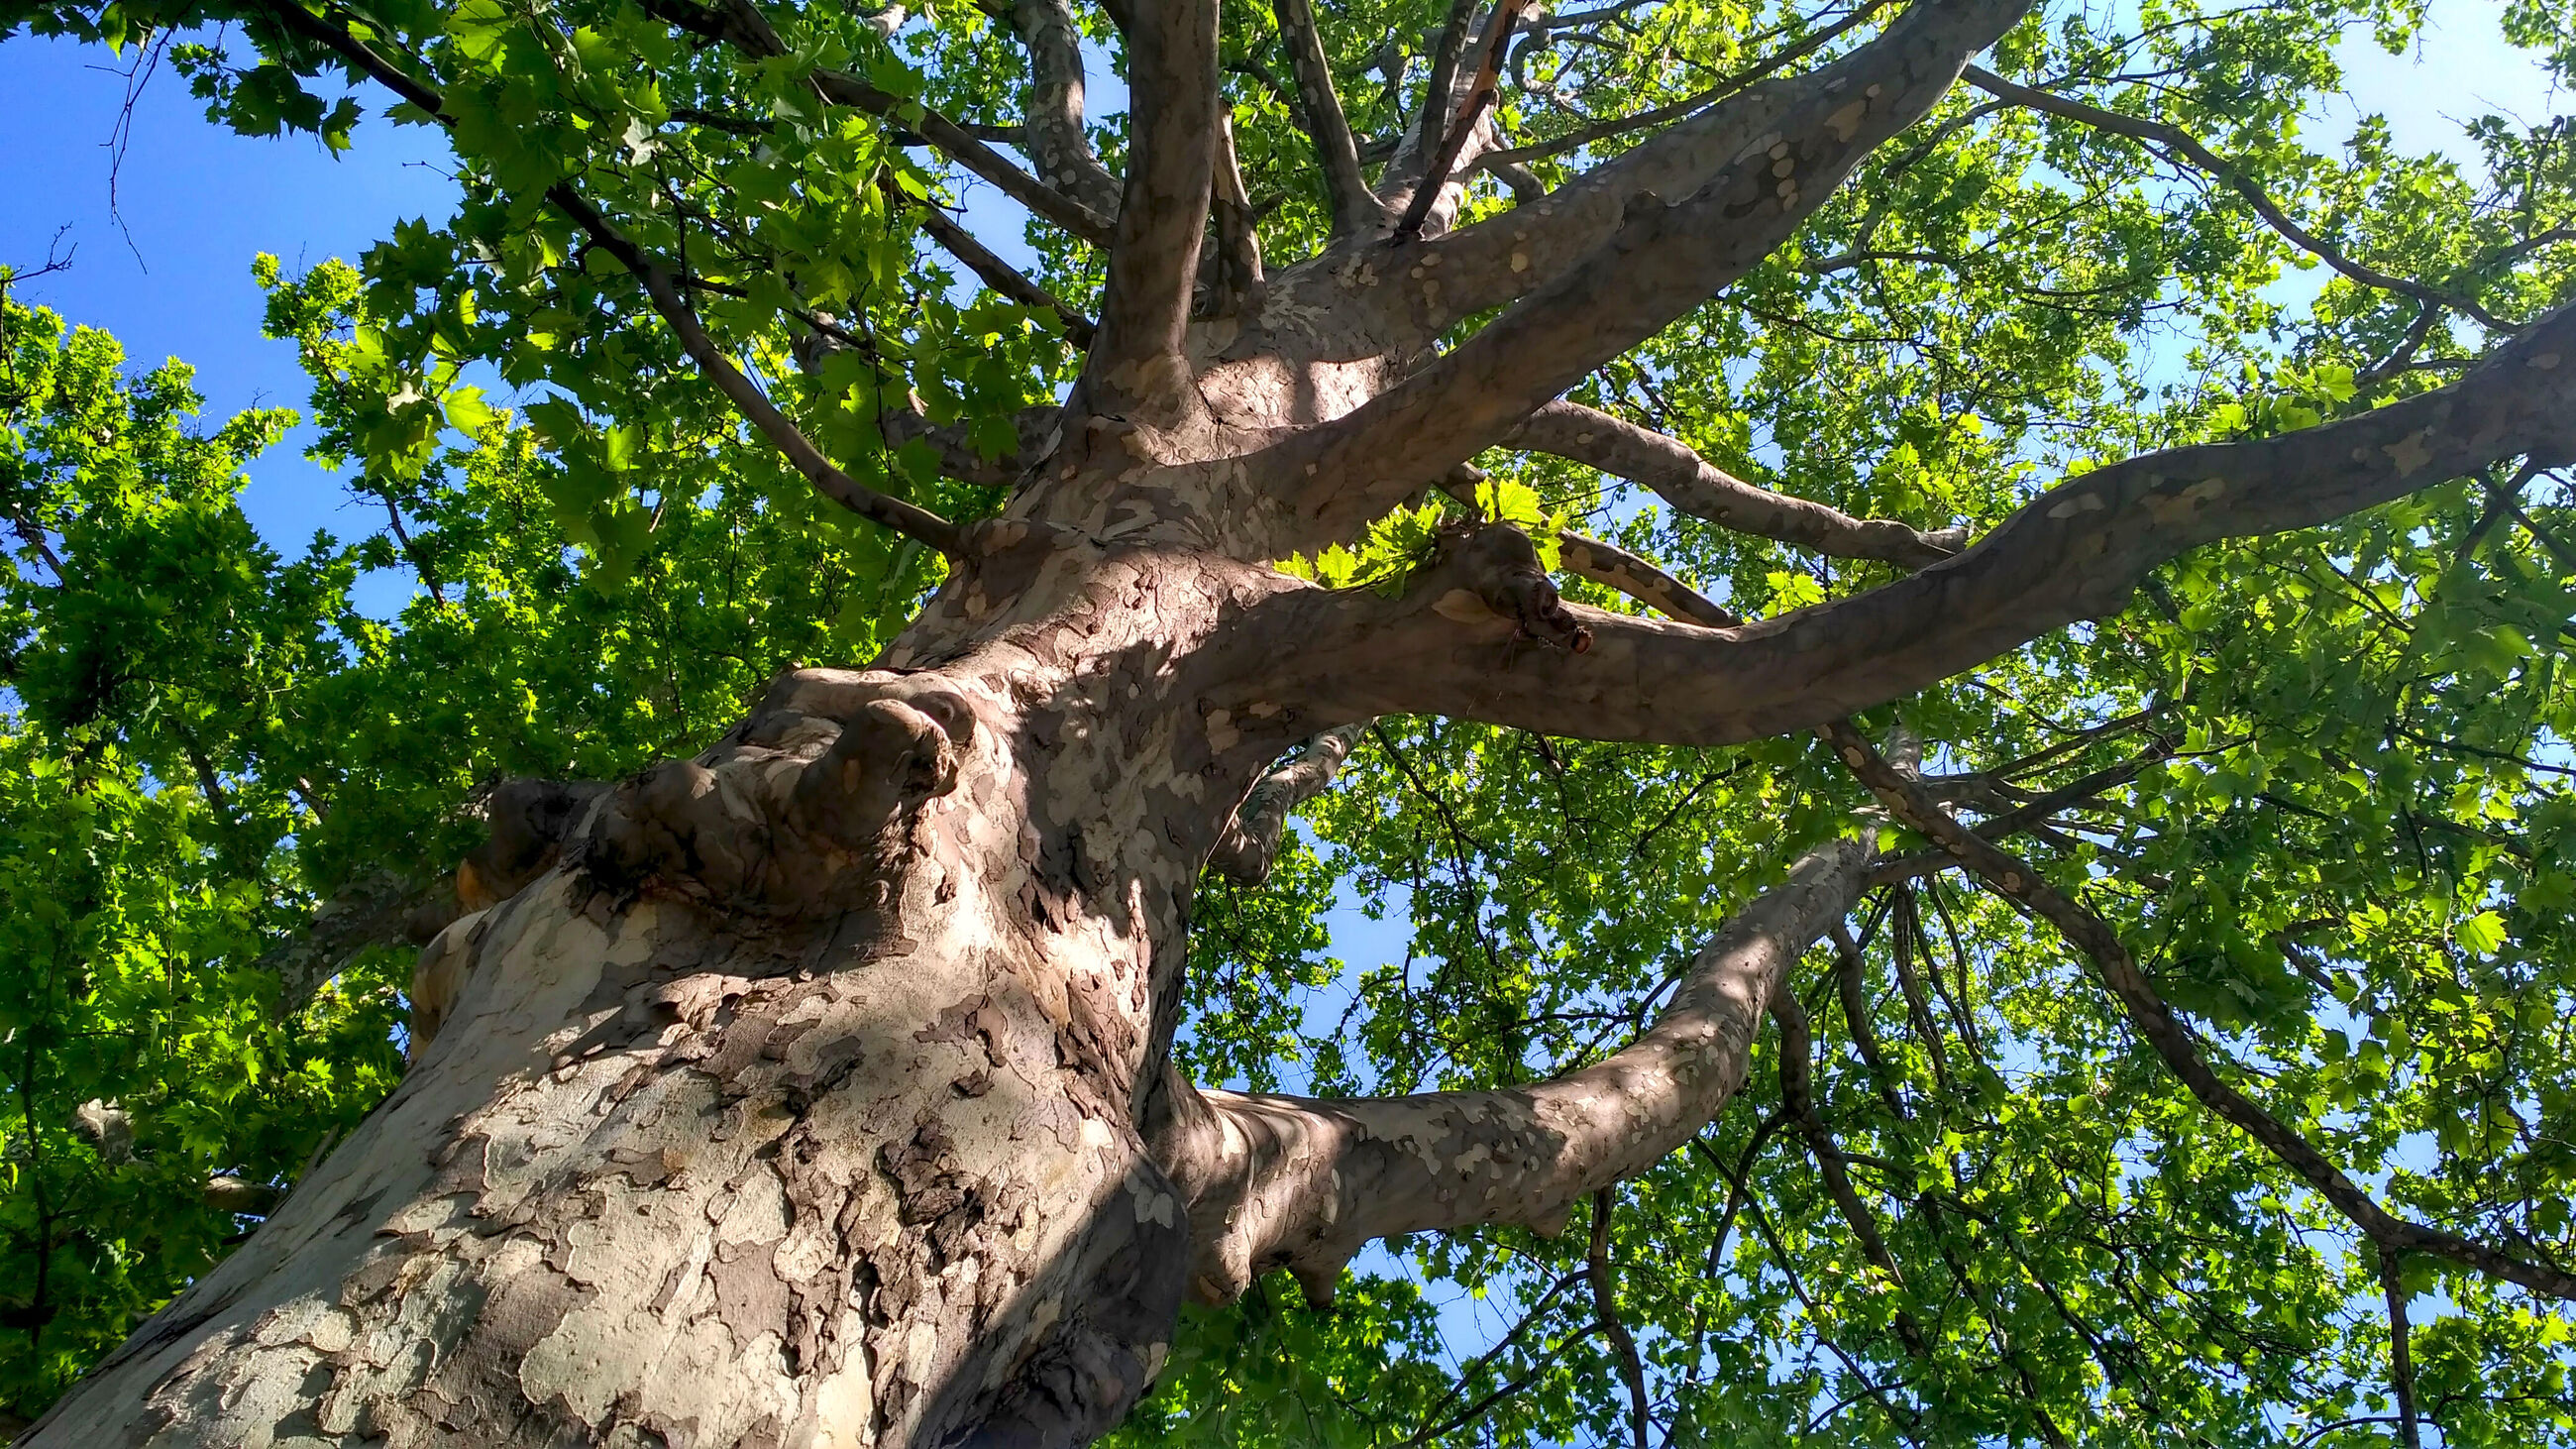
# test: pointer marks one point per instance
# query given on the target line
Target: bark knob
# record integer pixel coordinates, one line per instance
(891, 756)
(1502, 565)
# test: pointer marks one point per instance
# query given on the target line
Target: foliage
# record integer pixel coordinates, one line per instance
(205, 740)
(2344, 843)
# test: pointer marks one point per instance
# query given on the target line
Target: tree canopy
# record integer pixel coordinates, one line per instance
(2308, 794)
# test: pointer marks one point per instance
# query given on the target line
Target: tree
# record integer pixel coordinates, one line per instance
(826, 1083)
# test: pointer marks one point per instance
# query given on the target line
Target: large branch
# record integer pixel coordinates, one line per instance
(1136, 367)
(1602, 130)
(1439, 93)
(1487, 265)
(1233, 265)
(1425, 176)
(1661, 261)
(1301, 1183)
(1355, 208)
(1053, 134)
(908, 519)
(375, 909)
(1693, 485)
(1470, 115)
(1456, 643)
(2163, 1031)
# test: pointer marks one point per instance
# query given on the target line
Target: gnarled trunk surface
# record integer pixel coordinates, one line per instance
(796, 1103)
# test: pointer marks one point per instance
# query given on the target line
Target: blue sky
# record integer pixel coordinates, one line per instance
(197, 203)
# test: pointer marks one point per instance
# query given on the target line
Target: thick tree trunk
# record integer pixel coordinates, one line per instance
(797, 1104)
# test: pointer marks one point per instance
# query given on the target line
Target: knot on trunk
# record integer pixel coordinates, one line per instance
(796, 813)
(890, 757)
(685, 823)
(1501, 564)
(529, 820)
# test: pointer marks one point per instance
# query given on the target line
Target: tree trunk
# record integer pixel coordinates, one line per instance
(798, 1103)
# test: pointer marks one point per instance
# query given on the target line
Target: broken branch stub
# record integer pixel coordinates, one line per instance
(1502, 566)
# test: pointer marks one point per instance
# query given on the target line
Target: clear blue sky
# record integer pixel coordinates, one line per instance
(197, 203)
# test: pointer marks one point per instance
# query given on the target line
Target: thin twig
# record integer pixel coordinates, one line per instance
(2234, 176)
(2147, 1012)
(908, 519)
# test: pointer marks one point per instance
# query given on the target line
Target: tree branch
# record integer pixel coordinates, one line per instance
(1471, 111)
(1440, 87)
(2401, 1350)
(1605, 1311)
(1659, 262)
(1610, 565)
(908, 519)
(1582, 136)
(958, 459)
(2074, 552)
(1488, 264)
(1797, 1097)
(1355, 209)
(1302, 1183)
(1005, 279)
(1251, 843)
(1136, 369)
(1694, 486)
(375, 909)
(1238, 277)
(2234, 176)
(1053, 133)
(2155, 1022)
(741, 26)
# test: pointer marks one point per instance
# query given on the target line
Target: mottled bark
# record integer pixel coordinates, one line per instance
(1613, 566)
(1251, 845)
(1135, 367)
(817, 1090)
(1661, 259)
(1053, 132)
(1303, 1184)
(2074, 552)
(795, 1102)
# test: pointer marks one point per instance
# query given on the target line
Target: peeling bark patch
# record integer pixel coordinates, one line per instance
(2409, 454)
